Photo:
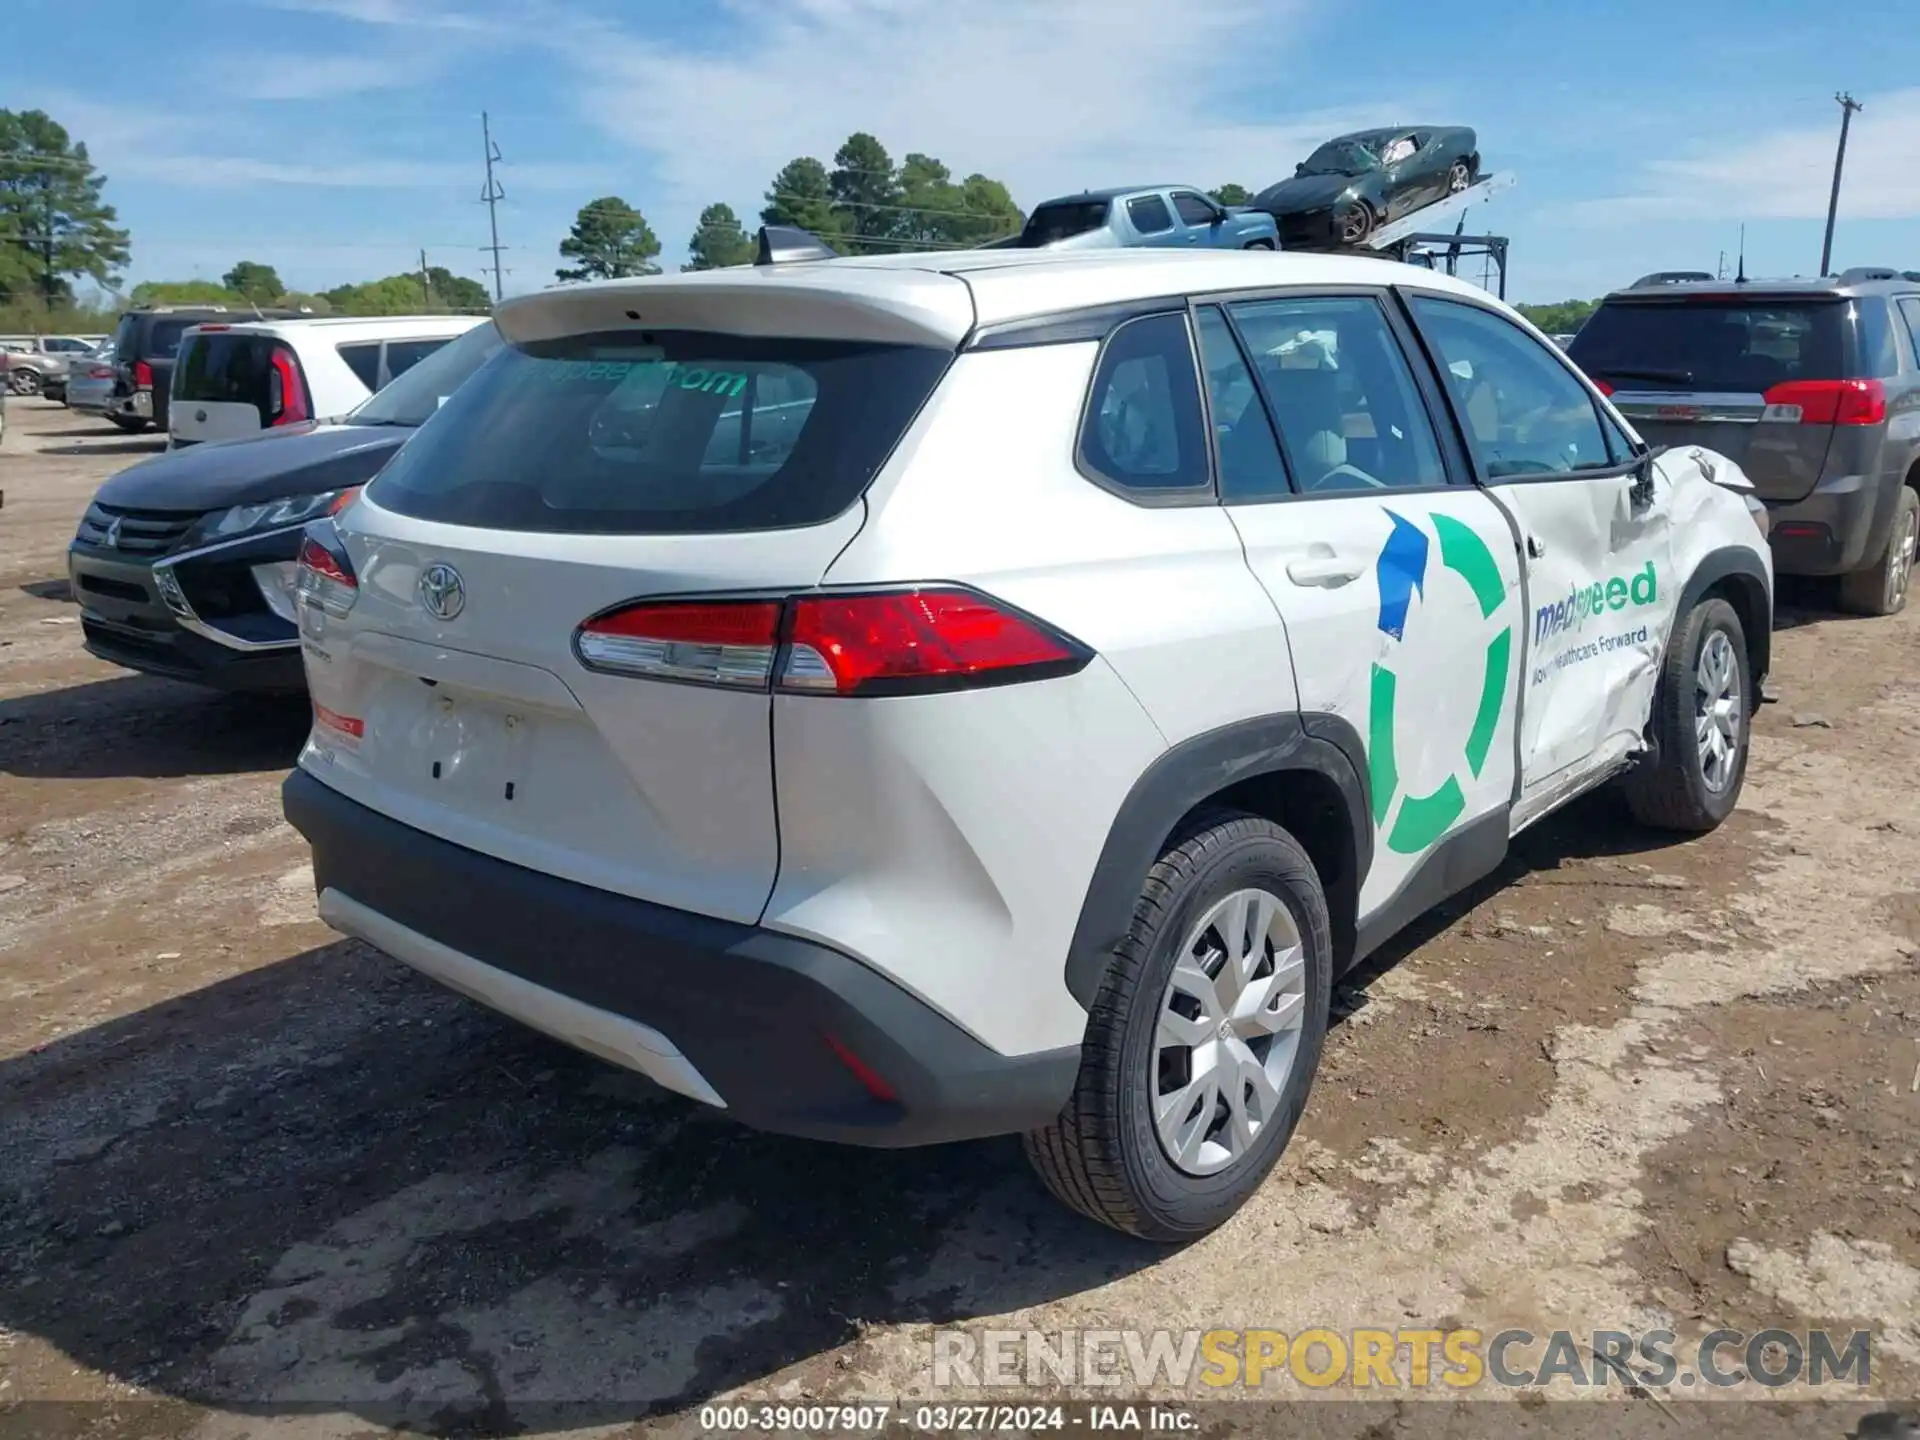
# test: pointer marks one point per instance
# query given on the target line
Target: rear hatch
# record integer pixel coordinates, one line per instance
(1759, 378)
(144, 356)
(231, 383)
(569, 478)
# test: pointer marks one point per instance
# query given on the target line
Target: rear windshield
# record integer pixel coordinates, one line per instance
(1738, 347)
(425, 387)
(225, 367)
(670, 432)
(1064, 221)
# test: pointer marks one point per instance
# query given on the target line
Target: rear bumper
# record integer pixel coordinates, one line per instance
(1838, 529)
(758, 1022)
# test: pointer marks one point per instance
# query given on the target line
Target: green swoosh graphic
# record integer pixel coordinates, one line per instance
(1493, 691)
(1466, 554)
(1382, 771)
(1424, 818)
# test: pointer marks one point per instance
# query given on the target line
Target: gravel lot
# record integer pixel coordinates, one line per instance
(255, 1179)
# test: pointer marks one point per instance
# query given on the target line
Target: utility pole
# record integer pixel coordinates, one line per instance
(492, 196)
(426, 285)
(1847, 106)
(1720, 270)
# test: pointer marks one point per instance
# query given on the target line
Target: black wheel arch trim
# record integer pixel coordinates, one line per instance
(1732, 562)
(1185, 777)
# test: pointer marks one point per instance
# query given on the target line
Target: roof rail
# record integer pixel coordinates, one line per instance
(1671, 277)
(1861, 273)
(788, 245)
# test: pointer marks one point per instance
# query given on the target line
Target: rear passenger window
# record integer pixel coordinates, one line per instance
(403, 355)
(1193, 210)
(1350, 415)
(364, 360)
(1910, 312)
(1143, 427)
(1250, 467)
(1523, 411)
(1877, 355)
(1150, 215)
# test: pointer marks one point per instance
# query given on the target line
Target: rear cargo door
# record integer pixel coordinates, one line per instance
(1754, 377)
(221, 385)
(564, 482)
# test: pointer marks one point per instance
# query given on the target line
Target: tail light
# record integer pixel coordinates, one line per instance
(100, 372)
(287, 402)
(325, 575)
(1603, 387)
(142, 375)
(1827, 402)
(895, 642)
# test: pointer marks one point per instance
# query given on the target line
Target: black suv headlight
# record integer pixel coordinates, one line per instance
(273, 514)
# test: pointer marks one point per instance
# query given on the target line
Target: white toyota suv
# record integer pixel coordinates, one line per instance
(904, 699)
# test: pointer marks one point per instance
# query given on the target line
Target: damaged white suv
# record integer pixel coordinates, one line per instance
(905, 699)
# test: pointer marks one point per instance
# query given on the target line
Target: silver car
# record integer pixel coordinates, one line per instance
(90, 380)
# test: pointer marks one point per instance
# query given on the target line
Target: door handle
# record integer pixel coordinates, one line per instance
(1327, 570)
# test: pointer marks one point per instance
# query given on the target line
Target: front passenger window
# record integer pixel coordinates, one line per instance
(1522, 409)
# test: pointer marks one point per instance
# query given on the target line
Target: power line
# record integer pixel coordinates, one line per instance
(491, 197)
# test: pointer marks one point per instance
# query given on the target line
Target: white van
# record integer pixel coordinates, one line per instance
(234, 380)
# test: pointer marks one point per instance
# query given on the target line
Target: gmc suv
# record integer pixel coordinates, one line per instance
(1812, 386)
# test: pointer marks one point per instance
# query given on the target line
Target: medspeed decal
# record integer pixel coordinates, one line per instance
(1583, 602)
(1400, 571)
(1587, 604)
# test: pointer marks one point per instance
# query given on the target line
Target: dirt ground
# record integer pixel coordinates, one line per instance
(255, 1179)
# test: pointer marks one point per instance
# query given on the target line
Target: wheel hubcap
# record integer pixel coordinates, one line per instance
(1900, 568)
(1228, 1031)
(1457, 179)
(1717, 711)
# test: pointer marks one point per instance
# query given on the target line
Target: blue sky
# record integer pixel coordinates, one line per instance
(334, 139)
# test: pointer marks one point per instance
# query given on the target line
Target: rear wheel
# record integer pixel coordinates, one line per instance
(1258, 245)
(132, 424)
(1202, 1043)
(1702, 706)
(1881, 588)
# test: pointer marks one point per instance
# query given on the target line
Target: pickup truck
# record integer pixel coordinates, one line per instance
(1172, 216)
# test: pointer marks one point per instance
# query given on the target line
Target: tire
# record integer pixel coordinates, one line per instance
(1104, 1155)
(25, 382)
(132, 424)
(1258, 245)
(1676, 791)
(1459, 177)
(1356, 224)
(1881, 588)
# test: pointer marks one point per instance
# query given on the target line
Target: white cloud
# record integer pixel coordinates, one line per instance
(319, 77)
(1787, 173)
(1049, 98)
(410, 14)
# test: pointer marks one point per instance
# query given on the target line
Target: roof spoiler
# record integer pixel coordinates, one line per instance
(1670, 277)
(789, 245)
(1861, 273)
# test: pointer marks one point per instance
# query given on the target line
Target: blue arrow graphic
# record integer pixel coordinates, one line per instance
(1402, 569)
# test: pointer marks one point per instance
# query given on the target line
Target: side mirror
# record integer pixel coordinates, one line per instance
(1641, 494)
(1300, 169)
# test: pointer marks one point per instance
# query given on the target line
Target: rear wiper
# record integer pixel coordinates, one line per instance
(1677, 377)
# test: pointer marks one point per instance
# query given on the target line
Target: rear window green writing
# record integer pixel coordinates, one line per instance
(686, 377)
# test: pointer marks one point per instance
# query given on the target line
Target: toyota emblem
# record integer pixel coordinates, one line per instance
(442, 592)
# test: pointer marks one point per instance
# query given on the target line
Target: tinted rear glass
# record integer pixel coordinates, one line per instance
(411, 398)
(224, 368)
(163, 338)
(1062, 222)
(673, 432)
(1739, 347)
